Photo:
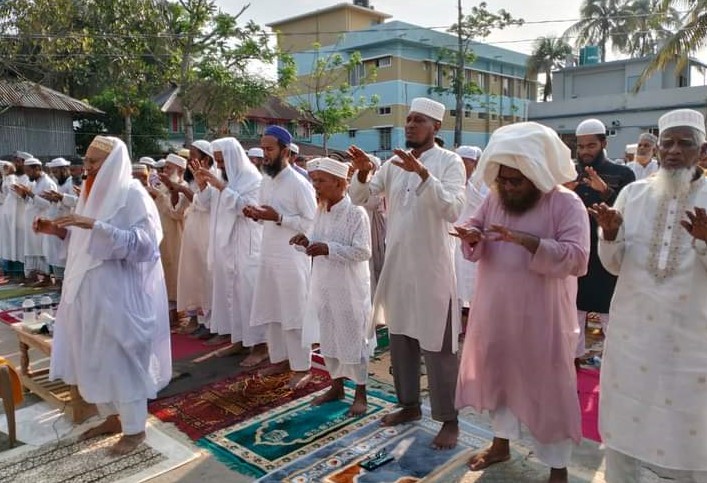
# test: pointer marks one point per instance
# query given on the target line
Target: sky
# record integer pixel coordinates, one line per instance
(540, 20)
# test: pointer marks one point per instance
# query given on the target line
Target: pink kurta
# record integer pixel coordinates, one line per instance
(519, 350)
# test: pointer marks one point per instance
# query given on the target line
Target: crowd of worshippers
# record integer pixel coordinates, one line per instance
(514, 245)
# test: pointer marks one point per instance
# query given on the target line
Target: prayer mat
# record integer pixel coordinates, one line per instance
(409, 444)
(588, 390)
(224, 403)
(270, 440)
(184, 347)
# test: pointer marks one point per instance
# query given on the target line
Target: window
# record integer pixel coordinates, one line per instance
(631, 82)
(384, 110)
(453, 113)
(481, 81)
(467, 114)
(483, 115)
(682, 81)
(494, 117)
(468, 75)
(357, 74)
(439, 76)
(176, 123)
(386, 61)
(385, 138)
(506, 83)
(654, 131)
(352, 133)
(612, 133)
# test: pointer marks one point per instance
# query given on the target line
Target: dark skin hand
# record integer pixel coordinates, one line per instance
(312, 249)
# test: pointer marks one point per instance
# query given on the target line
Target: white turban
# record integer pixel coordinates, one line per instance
(203, 146)
(58, 163)
(428, 107)
(177, 160)
(32, 162)
(328, 165)
(681, 118)
(471, 152)
(589, 127)
(23, 155)
(533, 149)
(256, 153)
(631, 148)
(294, 149)
(161, 163)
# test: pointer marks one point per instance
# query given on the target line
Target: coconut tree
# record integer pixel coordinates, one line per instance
(601, 22)
(548, 54)
(649, 25)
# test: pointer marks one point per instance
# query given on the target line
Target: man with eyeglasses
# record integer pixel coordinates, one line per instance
(530, 239)
(598, 181)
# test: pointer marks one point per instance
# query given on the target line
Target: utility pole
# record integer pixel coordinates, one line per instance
(460, 78)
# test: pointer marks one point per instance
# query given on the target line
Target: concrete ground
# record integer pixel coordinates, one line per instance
(587, 460)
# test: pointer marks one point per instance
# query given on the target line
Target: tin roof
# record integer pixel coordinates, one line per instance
(31, 95)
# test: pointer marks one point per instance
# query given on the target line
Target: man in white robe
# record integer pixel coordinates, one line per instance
(234, 246)
(416, 293)
(13, 246)
(35, 206)
(286, 207)
(653, 403)
(54, 249)
(644, 163)
(111, 336)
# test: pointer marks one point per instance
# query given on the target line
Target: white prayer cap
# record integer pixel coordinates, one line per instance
(256, 153)
(589, 127)
(160, 164)
(631, 148)
(203, 146)
(471, 152)
(140, 168)
(147, 161)
(23, 155)
(32, 162)
(328, 165)
(294, 149)
(533, 149)
(184, 152)
(177, 160)
(682, 118)
(428, 107)
(58, 163)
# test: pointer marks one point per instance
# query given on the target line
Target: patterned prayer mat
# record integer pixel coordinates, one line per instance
(409, 444)
(226, 402)
(84, 461)
(268, 441)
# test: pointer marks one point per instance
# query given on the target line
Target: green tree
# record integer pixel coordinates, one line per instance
(331, 94)
(548, 54)
(601, 22)
(476, 26)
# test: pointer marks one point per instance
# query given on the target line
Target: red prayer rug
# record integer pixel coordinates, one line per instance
(229, 401)
(588, 389)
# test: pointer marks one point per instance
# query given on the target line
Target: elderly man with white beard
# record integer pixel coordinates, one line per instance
(653, 404)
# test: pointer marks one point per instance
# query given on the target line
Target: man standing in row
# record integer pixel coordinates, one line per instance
(644, 163)
(416, 295)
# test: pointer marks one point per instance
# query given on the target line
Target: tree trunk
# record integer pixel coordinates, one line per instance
(459, 88)
(188, 126)
(547, 90)
(129, 133)
(325, 144)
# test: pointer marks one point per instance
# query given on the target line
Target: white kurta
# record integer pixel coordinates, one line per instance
(465, 269)
(13, 224)
(339, 301)
(55, 249)
(7, 212)
(35, 207)
(194, 281)
(113, 340)
(418, 283)
(234, 245)
(653, 403)
(283, 273)
(643, 172)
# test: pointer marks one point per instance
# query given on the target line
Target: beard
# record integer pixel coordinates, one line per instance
(61, 179)
(674, 182)
(595, 159)
(517, 205)
(274, 167)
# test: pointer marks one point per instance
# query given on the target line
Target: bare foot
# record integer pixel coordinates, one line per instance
(299, 380)
(447, 436)
(126, 444)
(257, 356)
(229, 350)
(275, 369)
(360, 403)
(110, 426)
(498, 452)
(558, 475)
(335, 393)
(401, 416)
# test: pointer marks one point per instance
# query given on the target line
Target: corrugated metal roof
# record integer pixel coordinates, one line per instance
(35, 96)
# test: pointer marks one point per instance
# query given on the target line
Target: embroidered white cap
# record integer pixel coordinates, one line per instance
(147, 161)
(58, 163)
(32, 162)
(471, 152)
(177, 160)
(681, 118)
(256, 153)
(328, 165)
(204, 146)
(631, 148)
(589, 127)
(428, 107)
(294, 149)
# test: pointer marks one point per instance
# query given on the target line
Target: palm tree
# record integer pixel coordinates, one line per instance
(548, 54)
(647, 27)
(602, 21)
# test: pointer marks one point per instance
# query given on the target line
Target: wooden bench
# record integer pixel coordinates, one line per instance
(56, 393)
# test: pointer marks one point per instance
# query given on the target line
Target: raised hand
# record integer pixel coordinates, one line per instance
(210, 178)
(594, 180)
(607, 218)
(408, 162)
(75, 220)
(360, 160)
(300, 240)
(166, 181)
(696, 224)
(472, 236)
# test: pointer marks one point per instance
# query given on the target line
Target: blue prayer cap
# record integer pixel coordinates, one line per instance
(279, 133)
